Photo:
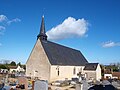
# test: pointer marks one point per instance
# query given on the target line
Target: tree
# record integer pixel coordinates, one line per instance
(13, 63)
(19, 64)
(113, 67)
(3, 67)
(24, 67)
(102, 69)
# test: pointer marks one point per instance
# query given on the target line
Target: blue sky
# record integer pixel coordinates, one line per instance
(100, 21)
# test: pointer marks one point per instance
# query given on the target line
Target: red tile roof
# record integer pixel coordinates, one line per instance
(12, 67)
(116, 74)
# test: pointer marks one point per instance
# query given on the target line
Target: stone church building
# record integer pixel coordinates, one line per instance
(51, 61)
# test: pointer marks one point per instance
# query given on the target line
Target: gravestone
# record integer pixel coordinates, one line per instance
(23, 82)
(40, 85)
(79, 86)
(1, 85)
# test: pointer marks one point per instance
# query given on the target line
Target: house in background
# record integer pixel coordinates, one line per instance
(92, 71)
(14, 69)
(51, 61)
(116, 75)
(3, 70)
(109, 74)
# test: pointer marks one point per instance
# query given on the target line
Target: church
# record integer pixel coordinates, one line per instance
(51, 61)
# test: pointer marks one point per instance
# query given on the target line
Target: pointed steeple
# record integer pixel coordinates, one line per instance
(42, 34)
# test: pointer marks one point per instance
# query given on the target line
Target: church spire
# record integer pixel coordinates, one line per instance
(42, 34)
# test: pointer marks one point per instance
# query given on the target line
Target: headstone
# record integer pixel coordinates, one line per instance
(7, 87)
(85, 85)
(1, 85)
(40, 85)
(79, 86)
(105, 82)
(23, 82)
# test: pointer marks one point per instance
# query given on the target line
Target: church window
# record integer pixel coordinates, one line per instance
(58, 72)
(74, 70)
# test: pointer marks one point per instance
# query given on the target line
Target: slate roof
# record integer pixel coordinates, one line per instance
(62, 55)
(91, 66)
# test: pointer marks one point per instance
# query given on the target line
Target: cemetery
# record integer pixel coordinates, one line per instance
(26, 83)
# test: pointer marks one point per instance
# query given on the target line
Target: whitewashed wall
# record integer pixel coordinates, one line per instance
(64, 72)
(98, 72)
(107, 75)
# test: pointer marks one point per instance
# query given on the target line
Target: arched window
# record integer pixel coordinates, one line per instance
(74, 71)
(58, 72)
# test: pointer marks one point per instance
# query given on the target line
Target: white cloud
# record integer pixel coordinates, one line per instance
(110, 44)
(13, 20)
(5, 21)
(2, 28)
(3, 18)
(68, 29)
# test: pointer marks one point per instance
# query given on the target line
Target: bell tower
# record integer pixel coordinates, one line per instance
(42, 35)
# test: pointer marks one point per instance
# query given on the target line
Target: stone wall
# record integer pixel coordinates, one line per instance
(90, 74)
(38, 64)
(94, 74)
